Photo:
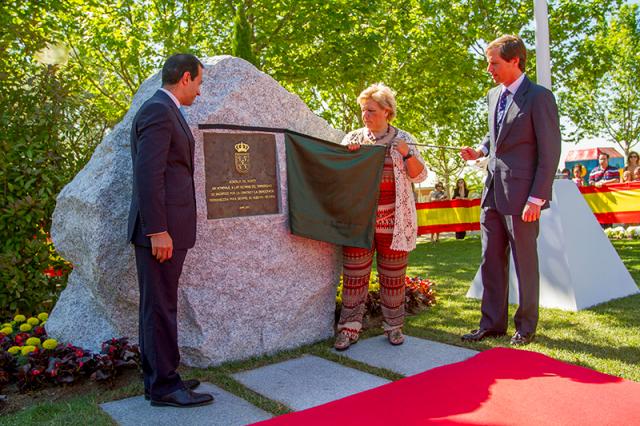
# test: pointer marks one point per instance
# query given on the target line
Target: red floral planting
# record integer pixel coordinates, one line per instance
(420, 294)
(8, 367)
(51, 272)
(32, 366)
(116, 354)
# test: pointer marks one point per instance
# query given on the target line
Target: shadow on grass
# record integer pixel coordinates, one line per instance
(621, 311)
(620, 353)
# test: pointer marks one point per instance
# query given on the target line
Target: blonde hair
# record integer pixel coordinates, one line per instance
(383, 95)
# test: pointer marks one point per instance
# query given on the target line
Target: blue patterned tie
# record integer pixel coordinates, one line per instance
(502, 106)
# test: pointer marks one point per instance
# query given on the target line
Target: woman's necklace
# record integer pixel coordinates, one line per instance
(372, 137)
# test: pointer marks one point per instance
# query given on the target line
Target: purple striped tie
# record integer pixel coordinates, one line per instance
(502, 106)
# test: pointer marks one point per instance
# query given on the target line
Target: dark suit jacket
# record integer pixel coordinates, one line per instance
(163, 199)
(524, 155)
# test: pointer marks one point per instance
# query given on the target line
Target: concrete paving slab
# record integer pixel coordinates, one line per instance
(226, 410)
(307, 381)
(414, 356)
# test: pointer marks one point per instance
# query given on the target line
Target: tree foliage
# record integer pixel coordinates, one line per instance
(601, 94)
(49, 129)
(242, 36)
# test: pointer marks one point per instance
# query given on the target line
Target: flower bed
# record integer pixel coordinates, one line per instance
(419, 295)
(32, 360)
(619, 232)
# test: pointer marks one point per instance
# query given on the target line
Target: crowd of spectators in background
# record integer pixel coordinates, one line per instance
(604, 174)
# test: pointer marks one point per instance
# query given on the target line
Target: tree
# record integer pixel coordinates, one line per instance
(601, 93)
(242, 36)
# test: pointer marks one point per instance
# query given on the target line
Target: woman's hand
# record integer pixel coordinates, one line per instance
(402, 147)
(354, 146)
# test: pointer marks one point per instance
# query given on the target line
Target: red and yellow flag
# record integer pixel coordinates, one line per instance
(448, 216)
(618, 203)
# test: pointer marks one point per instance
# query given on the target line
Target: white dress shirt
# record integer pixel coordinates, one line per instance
(172, 96)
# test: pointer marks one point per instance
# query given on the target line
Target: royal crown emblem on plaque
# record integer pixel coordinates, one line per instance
(242, 157)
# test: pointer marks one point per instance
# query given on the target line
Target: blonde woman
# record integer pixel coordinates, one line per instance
(396, 221)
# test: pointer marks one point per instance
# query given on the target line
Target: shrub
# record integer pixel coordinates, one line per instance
(419, 294)
(7, 367)
(33, 341)
(633, 232)
(47, 136)
(50, 344)
(32, 361)
(619, 232)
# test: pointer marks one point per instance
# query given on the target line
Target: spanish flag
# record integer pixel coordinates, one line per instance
(448, 216)
(617, 203)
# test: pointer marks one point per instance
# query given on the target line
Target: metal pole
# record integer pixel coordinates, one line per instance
(543, 56)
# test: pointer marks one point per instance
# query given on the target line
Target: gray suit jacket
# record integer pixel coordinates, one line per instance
(524, 155)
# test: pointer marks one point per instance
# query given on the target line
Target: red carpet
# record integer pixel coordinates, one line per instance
(497, 387)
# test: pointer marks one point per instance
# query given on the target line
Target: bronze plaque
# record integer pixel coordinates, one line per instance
(240, 174)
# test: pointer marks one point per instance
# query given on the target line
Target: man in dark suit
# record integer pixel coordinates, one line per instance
(162, 225)
(523, 149)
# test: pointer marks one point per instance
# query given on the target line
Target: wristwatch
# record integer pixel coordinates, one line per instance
(406, 157)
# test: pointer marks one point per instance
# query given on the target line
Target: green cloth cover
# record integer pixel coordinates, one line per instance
(333, 193)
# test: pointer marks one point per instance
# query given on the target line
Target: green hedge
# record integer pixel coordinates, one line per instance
(46, 137)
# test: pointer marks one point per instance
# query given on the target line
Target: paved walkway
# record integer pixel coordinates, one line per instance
(298, 383)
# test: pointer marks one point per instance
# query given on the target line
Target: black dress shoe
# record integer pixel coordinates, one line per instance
(183, 398)
(522, 339)
(189, 384)
(478, 335)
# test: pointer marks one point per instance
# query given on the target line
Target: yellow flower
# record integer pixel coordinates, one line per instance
(6, 324)
(25, 327)
(50, 344)
(33, 321)
(6, 330)
(33, 341)
(19, 318)
(14, 350)
(26, 350)
(43, 316)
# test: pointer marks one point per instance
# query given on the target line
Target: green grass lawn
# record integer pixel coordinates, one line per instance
(605, 338)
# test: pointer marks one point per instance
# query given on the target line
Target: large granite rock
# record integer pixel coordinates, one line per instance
(248, 287)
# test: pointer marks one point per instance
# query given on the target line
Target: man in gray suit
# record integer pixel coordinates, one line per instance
(523, 148)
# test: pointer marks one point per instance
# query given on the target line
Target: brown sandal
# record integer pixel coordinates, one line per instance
(344, 339)
(395, 337)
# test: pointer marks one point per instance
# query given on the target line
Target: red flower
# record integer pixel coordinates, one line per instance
(79, 352)
(35, 372)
